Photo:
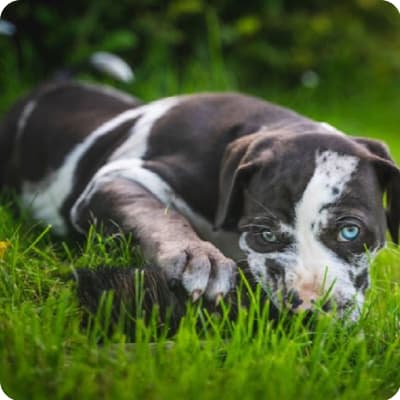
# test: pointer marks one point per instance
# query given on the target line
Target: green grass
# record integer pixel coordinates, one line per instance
(46, 354)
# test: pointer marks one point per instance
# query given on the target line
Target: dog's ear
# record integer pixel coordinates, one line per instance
(389, 177)
(238, 165)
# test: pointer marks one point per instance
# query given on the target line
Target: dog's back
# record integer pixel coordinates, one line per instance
(61, 114)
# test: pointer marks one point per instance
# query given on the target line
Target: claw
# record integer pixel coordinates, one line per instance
(196, 295)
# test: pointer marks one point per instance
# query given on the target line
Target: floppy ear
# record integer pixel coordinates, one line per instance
(393, 213)
(389, 176)
(236, 168)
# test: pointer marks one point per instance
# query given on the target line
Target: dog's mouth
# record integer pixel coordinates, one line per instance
(291, 302)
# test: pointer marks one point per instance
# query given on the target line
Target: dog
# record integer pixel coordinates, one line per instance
(203, 181)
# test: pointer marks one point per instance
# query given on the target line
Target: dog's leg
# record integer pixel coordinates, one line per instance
(165, 236)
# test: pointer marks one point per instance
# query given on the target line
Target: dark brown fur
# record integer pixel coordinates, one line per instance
(145, 293)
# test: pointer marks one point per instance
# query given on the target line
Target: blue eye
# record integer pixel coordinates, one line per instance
(269, 236)
(348, 233)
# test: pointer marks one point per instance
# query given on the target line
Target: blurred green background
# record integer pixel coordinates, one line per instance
(333, 60)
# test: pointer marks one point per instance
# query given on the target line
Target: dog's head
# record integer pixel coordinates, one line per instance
(309, 206)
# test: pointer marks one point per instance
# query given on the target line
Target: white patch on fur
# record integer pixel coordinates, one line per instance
(331, 175)
(46, 197)
(23, 119)
(318, 265)
(112, 65)
(136, 144)
(286, 229)
(256, 262)
(132, 169)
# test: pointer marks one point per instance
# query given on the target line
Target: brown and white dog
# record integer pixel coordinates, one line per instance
(205, 180)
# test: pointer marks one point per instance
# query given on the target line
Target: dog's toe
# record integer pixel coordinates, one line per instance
(196, 275)
(201, 268)
(173, 261)
(222, 279)
(210, 272)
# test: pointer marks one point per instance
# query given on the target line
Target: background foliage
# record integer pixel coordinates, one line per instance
(249, 45)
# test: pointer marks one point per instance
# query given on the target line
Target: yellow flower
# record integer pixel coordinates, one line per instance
(3, 247)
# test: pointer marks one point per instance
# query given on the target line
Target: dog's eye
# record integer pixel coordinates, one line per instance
(269, 236)
(348, 233)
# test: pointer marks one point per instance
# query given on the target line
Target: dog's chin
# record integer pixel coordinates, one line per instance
(347, 312)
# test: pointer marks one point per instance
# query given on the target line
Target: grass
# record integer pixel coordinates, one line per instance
(46, 353)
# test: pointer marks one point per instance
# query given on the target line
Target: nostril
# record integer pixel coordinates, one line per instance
(327, 306)
(293, 299)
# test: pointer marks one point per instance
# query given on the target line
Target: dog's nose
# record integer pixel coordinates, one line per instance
(302, 299)
(308, 298)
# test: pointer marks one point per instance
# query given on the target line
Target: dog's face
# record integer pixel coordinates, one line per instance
(311, 215)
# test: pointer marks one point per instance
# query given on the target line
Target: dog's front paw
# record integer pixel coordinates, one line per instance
(201, 268)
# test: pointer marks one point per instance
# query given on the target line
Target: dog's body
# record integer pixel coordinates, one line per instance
(203, 180)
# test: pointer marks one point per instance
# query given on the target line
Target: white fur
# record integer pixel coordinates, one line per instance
(332, 171)
(46, 197)
(136, 144)
(23, 119)
(256, 261)
(133, 170)
(113, 65)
